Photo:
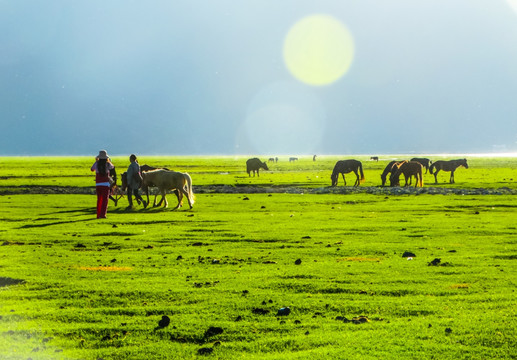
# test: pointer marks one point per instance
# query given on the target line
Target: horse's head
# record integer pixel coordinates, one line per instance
(264, 166)
(395, 177)
(334, 178)
(464, 163)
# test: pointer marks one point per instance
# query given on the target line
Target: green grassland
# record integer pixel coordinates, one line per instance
(74, 287)
(75, 172)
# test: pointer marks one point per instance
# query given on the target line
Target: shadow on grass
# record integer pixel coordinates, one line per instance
(6, 281)
(30, 226)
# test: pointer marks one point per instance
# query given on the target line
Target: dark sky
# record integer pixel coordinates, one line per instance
(212, 77)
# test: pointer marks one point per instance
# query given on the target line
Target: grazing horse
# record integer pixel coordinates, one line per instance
(291, 159)
(271, 160)
(255, 164)
(409, 169)
(392, 165)
(450, 165)
(346, 166)
(170, 180)
(374, 158)
(424, 161)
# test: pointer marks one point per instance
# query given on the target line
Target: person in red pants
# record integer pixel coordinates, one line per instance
(102, 167)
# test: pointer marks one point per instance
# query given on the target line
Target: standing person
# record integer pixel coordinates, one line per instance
(134, 181)
(102, 167)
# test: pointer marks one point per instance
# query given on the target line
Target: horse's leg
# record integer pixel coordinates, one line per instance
(164, 199)
(185, 191)
(435, 177)
(180, 198)
(343, 174)
(177, 193)
(357, 178)
(451, 180)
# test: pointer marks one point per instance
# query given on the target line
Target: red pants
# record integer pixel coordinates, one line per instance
(103, 193)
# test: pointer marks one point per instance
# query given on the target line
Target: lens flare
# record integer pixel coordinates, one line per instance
(318, 50)
(285, 118)
(513, 4)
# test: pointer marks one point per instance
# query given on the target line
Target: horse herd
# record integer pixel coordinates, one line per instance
(181, 183)
(412, 168)
(165, 180)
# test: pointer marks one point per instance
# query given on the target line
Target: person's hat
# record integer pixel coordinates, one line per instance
(103, 154)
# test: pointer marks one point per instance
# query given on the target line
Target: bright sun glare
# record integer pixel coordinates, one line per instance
(318, 50)
(513, 4)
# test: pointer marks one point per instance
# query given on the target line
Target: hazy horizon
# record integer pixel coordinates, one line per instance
(260, 78)
(286, 156)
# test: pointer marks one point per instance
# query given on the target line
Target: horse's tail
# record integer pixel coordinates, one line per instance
(361, 172)
(431, 168)
(189, 188)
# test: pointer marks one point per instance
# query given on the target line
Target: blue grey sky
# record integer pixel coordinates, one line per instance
(163, 77)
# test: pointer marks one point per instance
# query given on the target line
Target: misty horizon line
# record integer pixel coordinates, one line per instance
(470, 154)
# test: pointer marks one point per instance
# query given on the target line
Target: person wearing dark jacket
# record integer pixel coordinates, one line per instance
(134, 181)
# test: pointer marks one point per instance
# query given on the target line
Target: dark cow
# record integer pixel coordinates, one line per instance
(254, 165)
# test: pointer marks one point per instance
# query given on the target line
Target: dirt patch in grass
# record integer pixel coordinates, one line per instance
(360, 259)
(7, 281)
(105, 268)
(284, 189)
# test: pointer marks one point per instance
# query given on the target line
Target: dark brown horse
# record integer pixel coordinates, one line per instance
(409, 169)
(424, 161)
(392, 165)
(450, 165)
(346, 166)
(253, 165)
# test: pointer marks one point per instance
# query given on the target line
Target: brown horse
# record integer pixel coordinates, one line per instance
(170, 180)
(145, 188)
(450, 165)
(424, 161)
(409, 169)
(392, 165)
(346, 166)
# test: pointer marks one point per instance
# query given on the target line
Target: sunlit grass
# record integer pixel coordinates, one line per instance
(74, 287)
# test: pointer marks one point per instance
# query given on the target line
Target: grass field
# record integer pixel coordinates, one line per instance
(73, 287)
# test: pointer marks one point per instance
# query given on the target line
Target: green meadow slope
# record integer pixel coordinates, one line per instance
(364, 275)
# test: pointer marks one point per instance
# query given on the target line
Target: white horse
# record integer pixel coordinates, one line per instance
(170, 180)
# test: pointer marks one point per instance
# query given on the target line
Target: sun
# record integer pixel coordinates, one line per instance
(318, 50)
